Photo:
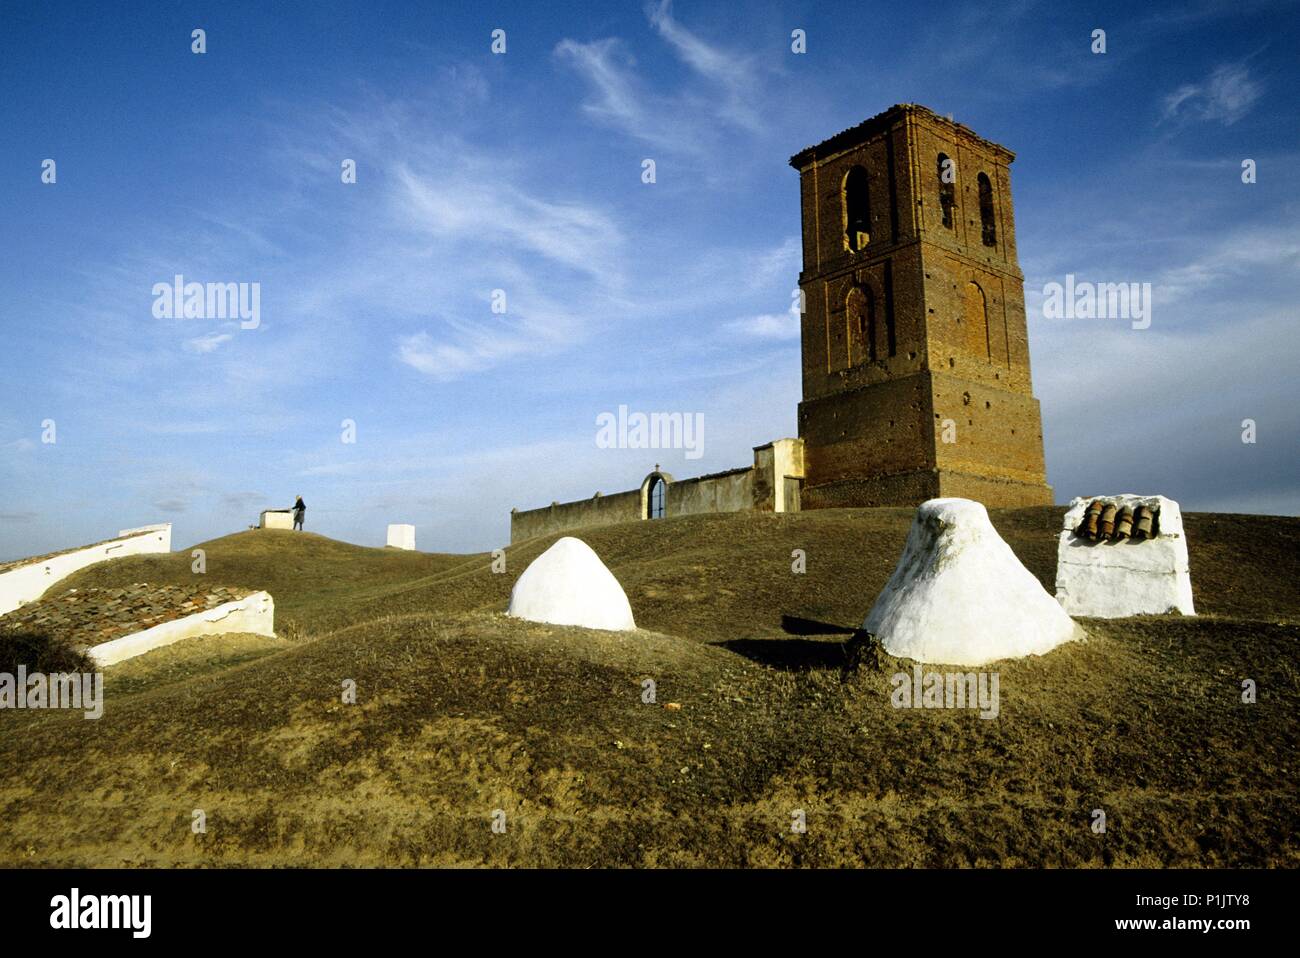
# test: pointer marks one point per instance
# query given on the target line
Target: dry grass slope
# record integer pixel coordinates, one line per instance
(462, 711)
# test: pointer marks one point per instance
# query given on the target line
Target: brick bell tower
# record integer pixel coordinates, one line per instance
(915, 347)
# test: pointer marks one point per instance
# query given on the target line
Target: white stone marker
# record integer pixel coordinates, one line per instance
(1112, 579)
(569, 585)
(959, 595)
(401, 536)
(275, 519)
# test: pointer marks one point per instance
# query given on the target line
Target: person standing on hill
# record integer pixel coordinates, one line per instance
(299, 510)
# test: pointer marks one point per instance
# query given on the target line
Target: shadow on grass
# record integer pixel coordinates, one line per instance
(798, 625)
(797, 655)
(40, 652)
(791, 655)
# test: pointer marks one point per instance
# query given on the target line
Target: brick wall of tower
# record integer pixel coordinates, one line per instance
(873, 421)
(995, 432)
(886, 424)
(884, 266)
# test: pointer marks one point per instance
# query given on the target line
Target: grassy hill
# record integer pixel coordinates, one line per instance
(462, 711)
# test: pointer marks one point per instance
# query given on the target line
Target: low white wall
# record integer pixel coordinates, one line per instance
(29, 582)
(275, 519)
(254, 613)
(1111, 580)
(401, 536)
(165, 527)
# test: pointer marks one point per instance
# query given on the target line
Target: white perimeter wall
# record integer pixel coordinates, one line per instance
(253, 613)
(29, 582)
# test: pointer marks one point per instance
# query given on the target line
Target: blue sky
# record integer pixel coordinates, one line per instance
(522, 172)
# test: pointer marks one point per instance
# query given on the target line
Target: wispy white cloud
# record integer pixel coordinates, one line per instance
(1185, 272)
(207, 344)
(490, 230)
(767, 326)
(724, 86)
(733, 72)
(1239, 253)
(619, 101)
(480, 204)
(1225, 96)
(472, 352)
(709, 278)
